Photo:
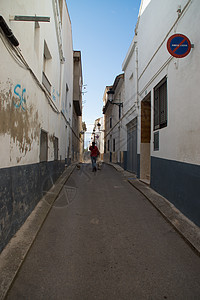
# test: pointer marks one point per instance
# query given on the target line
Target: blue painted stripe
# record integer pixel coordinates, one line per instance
(180, 183)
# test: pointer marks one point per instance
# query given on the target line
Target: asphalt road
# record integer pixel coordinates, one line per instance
(104, 240)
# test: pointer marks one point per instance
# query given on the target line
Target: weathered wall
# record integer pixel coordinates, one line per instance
(180, 139)
(26, 108)
(20, 190)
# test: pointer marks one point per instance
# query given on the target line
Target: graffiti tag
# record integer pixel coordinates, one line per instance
(55, 94)
(20, 94)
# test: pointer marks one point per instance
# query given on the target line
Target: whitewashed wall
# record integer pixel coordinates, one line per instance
(180, 140)
(20, 133)
(130, 108)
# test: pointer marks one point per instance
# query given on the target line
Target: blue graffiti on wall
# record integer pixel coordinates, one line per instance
(55, 94)
(20, 94)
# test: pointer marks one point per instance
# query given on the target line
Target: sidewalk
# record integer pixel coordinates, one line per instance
(16, 251)
(187, 229)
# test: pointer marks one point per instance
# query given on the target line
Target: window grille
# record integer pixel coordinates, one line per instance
(156, 141)
(160, 105)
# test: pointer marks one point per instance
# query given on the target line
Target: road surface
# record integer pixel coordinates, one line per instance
(103, 240)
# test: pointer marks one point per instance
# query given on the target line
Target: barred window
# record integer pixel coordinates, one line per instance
(160, 105)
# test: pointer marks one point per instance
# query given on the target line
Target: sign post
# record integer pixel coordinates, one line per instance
(178, 45)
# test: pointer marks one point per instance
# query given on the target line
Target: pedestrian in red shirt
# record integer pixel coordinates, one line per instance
(94, 152)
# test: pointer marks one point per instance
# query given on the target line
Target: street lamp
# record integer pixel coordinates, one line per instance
(110, 98)
(99, 126)
(110, 95)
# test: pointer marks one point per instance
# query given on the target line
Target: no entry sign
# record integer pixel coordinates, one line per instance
(178, 45)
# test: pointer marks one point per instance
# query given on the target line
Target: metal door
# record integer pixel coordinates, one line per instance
(132, 146)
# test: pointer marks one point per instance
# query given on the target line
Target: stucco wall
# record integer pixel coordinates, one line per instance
(26, 108)
(180, 140)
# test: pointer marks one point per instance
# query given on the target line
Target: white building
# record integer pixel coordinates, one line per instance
(98, 135)
(36, 88)
(113, 111)
(167, 94)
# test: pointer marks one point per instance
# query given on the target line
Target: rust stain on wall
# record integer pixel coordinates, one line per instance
(22, 125)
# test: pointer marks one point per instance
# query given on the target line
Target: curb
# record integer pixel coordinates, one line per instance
(13, 255)
(186, 228)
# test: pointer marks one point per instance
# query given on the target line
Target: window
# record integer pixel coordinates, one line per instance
(55, 144)
(113, 145)
(43, 146)
(160, 105)
(108, 145)
(110, 122)
(120, 111)
(46, 68)
(156, 141)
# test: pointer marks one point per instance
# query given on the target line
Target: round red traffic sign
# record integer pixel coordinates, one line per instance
(178, 45)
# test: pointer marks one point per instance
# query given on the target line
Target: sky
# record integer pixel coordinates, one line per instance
(102, 31)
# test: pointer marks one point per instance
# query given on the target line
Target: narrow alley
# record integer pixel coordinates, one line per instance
(112, 82)
(103, 240)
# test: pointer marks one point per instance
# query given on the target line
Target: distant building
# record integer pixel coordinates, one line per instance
(77, 141)
(113, 110)
(98, 135)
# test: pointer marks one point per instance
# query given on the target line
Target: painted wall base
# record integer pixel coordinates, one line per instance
(21, 189)
(179, 183)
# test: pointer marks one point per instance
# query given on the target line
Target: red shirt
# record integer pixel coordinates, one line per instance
(94, 151)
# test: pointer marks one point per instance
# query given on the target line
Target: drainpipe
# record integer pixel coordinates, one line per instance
(58, 29)
(137, 81)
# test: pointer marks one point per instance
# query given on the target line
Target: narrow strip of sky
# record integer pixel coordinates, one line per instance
(102, 31)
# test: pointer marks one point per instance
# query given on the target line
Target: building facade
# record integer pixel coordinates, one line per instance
(77, 138)
(113, 111)
(36, 91)
(165, 97)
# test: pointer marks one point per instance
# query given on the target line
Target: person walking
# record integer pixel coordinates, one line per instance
(94, 152)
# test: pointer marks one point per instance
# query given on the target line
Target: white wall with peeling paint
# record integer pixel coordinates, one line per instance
(26, 107)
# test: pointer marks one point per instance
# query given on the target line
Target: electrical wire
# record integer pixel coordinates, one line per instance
(20, 60)
(9, 48)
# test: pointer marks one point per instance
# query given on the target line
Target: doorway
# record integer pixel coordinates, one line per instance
(145, 146)
(132, 146)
